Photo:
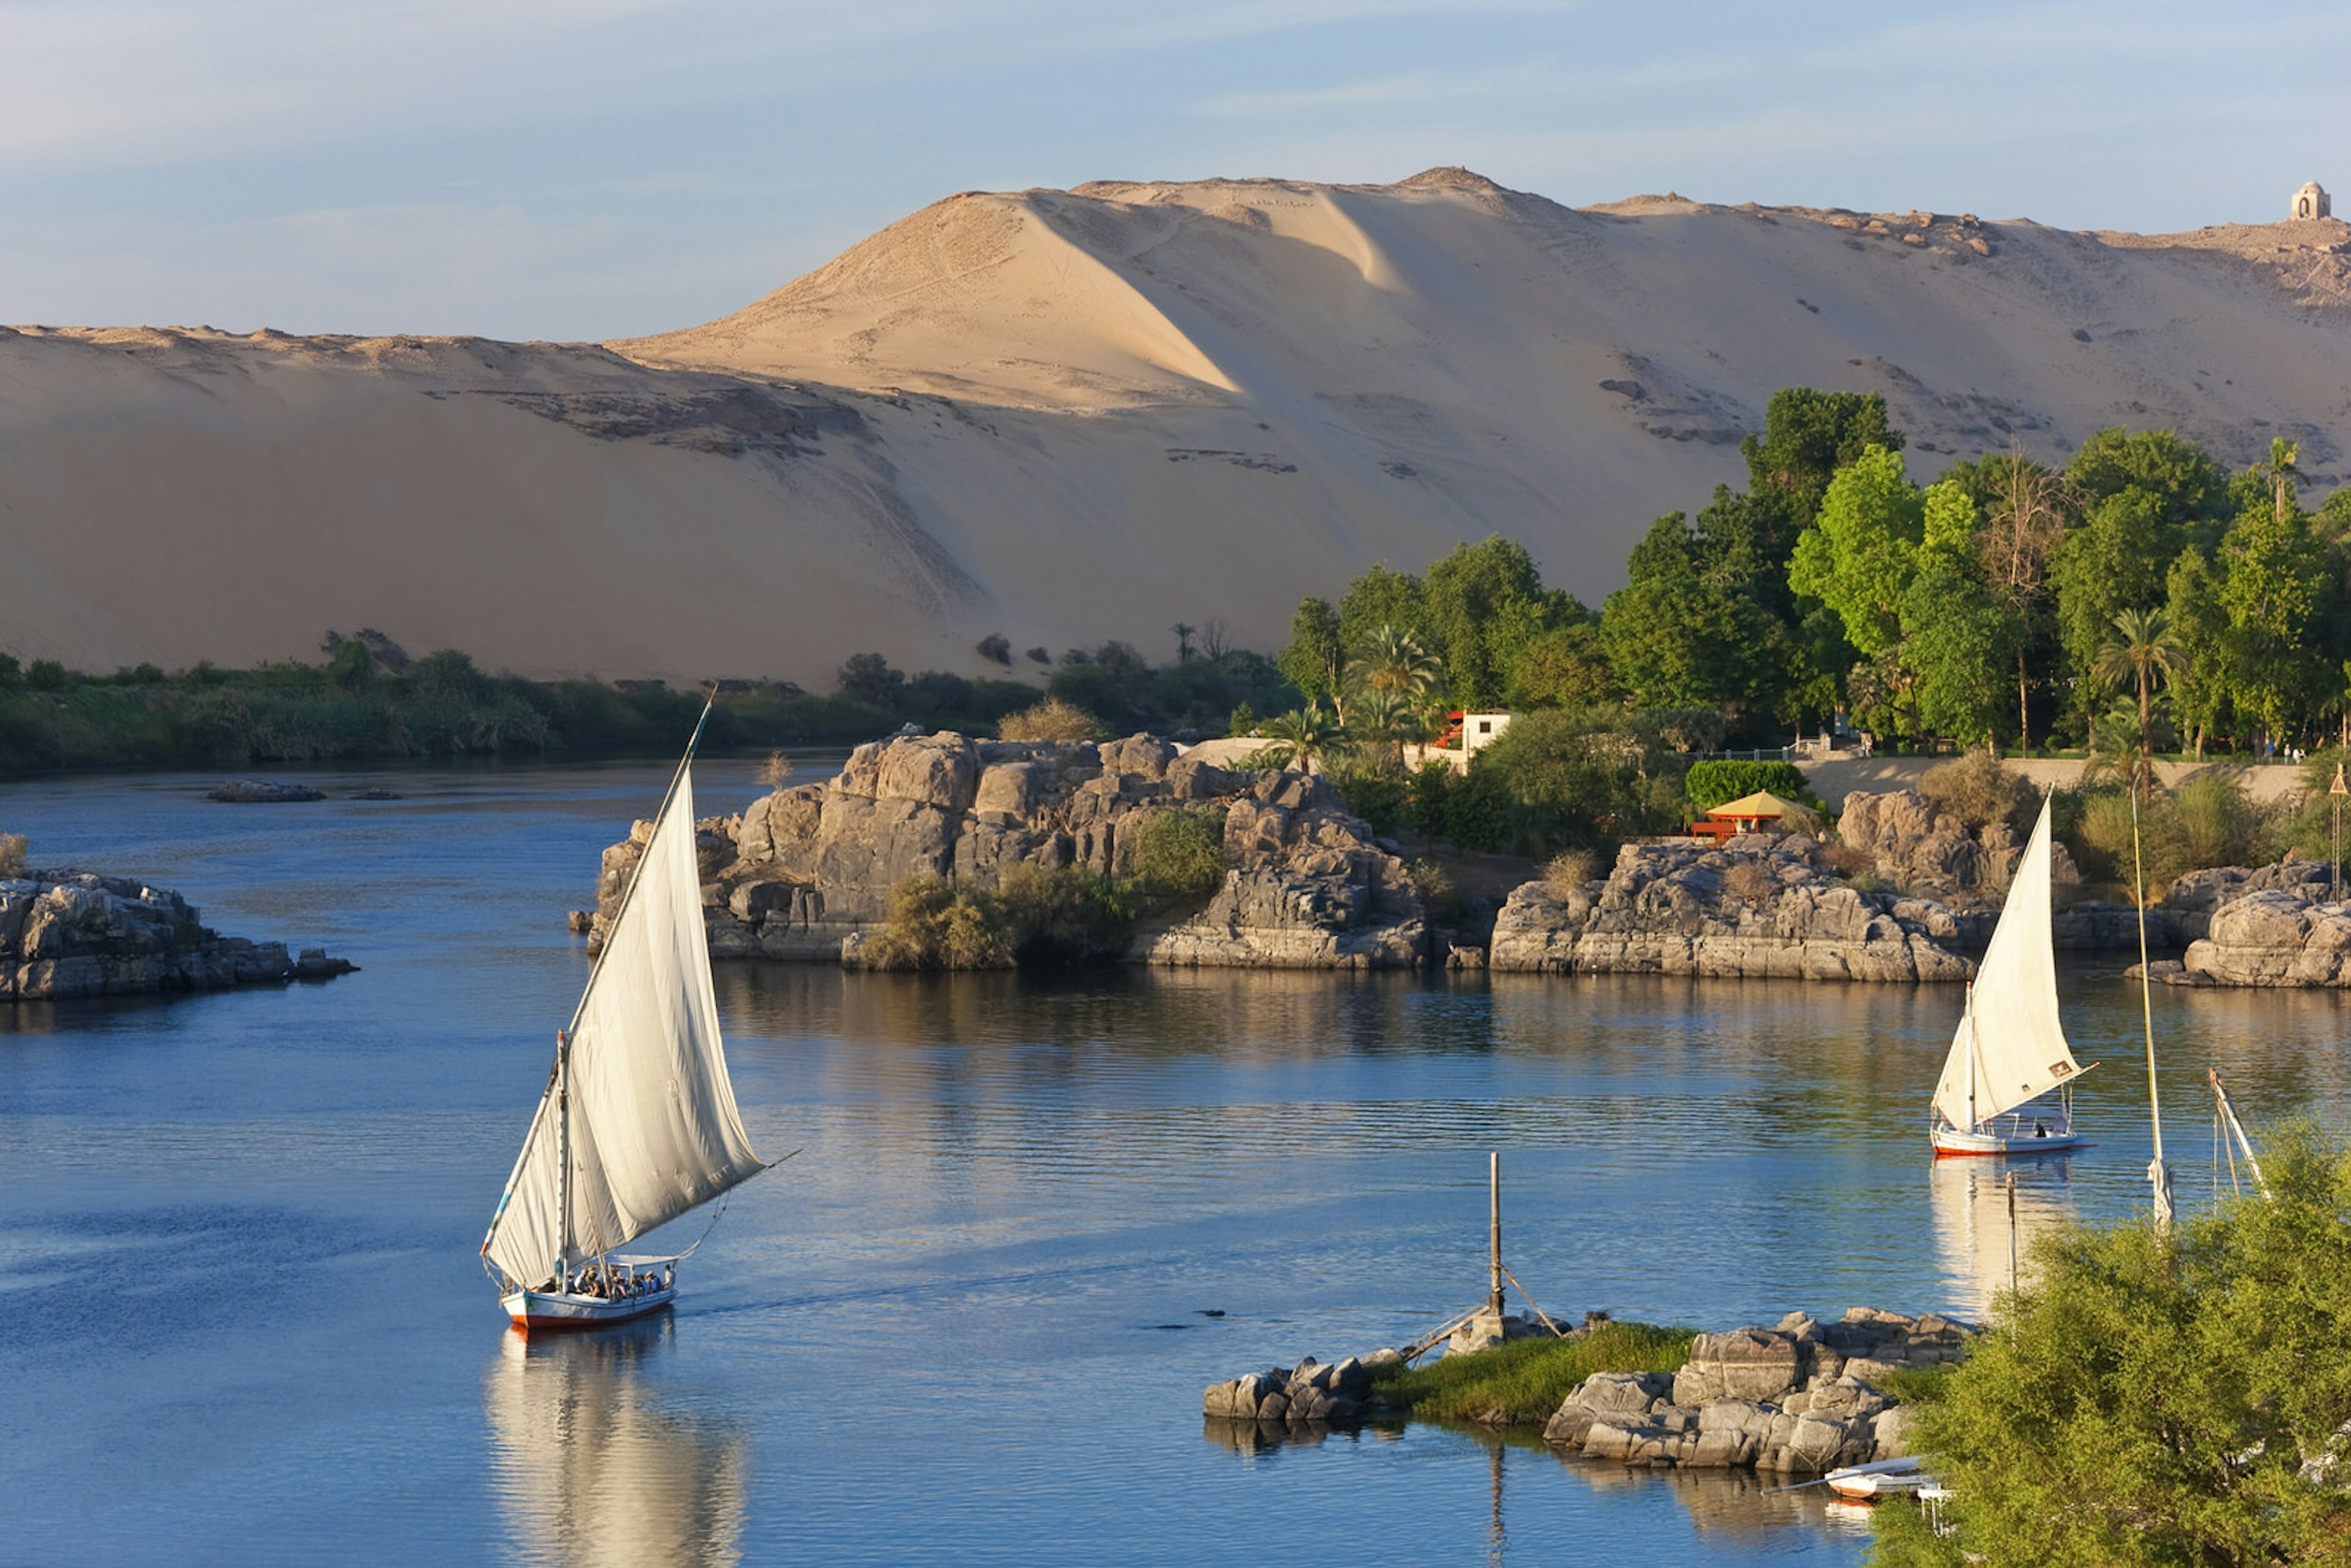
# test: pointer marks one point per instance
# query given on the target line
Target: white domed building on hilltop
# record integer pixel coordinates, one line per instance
(2311, 202)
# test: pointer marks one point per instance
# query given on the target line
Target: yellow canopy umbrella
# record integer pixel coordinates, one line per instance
(1757, 807)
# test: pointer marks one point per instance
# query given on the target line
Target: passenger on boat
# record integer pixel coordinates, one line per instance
(2039, 1129)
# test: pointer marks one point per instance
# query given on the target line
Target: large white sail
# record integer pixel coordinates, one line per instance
(653, 1128)
(2010, 1047)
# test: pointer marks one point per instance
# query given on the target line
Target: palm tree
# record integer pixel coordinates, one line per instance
(1183, 640)
(2144, 652)
(1302, 735)
(1387, 716)
(2283, 471)
(1395, 661)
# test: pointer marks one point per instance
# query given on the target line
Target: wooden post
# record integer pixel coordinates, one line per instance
(2011, 1232)
(1494, 1231)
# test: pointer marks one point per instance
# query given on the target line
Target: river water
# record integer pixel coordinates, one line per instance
(241, 1317)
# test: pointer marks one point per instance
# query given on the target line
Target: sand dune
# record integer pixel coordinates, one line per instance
(1073, 416)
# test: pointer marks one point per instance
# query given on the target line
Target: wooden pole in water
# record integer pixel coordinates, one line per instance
(1494, 1231)
(2011, 1233)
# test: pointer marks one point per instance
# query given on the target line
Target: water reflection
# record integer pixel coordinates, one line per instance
(590, 1470)
(1985, 1246)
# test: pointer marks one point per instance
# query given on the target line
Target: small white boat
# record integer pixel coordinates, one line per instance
(1883, 1478)
(2010, 1048)
(638, 1122)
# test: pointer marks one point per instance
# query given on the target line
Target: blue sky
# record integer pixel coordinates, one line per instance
(583, 169)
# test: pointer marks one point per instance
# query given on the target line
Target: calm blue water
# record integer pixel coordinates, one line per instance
(241, 1317)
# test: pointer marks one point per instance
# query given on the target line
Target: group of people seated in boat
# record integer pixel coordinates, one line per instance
(609, 1285)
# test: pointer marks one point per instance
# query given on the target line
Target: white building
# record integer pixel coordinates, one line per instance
(1466, 735)
(2311, 202)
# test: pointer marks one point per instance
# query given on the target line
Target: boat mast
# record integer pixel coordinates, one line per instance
(2229, 1115)
(1974, 1050)
(563, 1160)
(2158, 1174)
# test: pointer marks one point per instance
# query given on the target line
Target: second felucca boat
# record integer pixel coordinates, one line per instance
(2010, 1048)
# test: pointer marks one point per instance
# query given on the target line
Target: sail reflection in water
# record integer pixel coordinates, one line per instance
(590, 1470)
(1970, 1199)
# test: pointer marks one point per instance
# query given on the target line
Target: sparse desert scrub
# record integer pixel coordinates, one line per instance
(1052, 719)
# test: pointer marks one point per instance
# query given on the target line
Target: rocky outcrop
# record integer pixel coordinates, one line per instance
(1759, 905)
(806, 873)
(1917, 846)
(67, 935)
(2191, 903)
(2273, 938)
(1802, 1396)
(1311, 1392)
(2261, 926)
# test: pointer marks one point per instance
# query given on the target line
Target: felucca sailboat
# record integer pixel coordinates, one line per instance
(638, 1122)
(2010, 1049)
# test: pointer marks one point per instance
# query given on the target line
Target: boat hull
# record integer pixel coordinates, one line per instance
(536, 1311)
(1954, 1141)
(1886, 1478)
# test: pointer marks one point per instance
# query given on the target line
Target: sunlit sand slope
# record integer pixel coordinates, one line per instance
(1072, 415)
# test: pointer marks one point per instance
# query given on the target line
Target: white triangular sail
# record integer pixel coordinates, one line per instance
(2010, 1047)
(653, 1125)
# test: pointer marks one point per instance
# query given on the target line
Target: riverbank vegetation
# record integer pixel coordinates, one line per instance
(1070, 914)
(2159, 1397)
(1523, 1383)
(2139, 600)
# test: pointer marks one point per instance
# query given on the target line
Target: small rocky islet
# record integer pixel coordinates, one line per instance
(806, 873)
(1802, 1397)
(66, 935)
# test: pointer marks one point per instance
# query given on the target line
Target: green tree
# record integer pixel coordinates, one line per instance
(2204, 676)
(1858, 555)
(1384, 597)
(2025, 509)
(1808, 436)
(1567, 667)
(1485, 603)
(2142, 655)
(1690, 630)
(1314, 657)
(2159, 1397)
(2273, 594)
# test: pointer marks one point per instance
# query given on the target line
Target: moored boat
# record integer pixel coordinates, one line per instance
(638, 1122)
(2011, 1046)
(1883, 1478)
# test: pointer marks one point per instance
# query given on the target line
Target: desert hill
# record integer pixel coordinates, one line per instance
(1073, 416)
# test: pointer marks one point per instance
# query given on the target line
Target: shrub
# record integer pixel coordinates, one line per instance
(776, 771)
(1571, 869)
(1438, 888)
(1750, 881)
(1477, 812)
(1180, 854)
(1381, 798)
(1052, 719)
(1850, 861)
(2220, 824)
(1716, 781)
(47, 675)
(13, 848)
(2159, 1396)
(938, 924)
(1066, 915)
(1979, 791)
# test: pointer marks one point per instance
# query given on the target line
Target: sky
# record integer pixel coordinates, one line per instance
(593, 169)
